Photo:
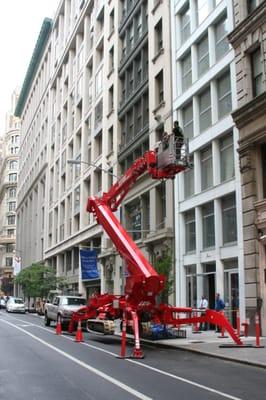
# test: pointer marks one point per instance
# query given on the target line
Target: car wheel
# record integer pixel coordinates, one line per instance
(47, 320)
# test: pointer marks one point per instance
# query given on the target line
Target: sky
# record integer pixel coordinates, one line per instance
(20, 24)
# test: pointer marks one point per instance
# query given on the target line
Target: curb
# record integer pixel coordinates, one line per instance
(213, 355)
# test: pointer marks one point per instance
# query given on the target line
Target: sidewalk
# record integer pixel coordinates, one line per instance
(208, 343)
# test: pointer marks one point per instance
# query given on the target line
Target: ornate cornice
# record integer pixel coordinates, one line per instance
(248, 25)
(250, 111)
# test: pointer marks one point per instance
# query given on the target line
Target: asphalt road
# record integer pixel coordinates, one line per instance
(36, 364)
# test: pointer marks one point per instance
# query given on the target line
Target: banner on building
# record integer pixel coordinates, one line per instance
(88, 263)
(16, 265)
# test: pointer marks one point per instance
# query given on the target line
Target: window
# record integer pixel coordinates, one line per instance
(124, 47)
(9, 261)
(263, 159)
(12, 177)
(13, 164)
(203, 56)
(251, 5)
(229, 219)
(190, 230)
(159, 87)
(206, 168)
(130, 78)
(138, 70)
(98, 114)
(79, 88)
(110, 139)
(186, 72)
(10, 232)
(185, 24)
(139, 26)
(221, 41)
(257, 72)
(202, 10)
(187, 113)
(11, 220)
(208, 225)
(205, 110)
(189, 182)
(224, 95)
(98, 145)
(10, 248)
(77, 167)
(111, 59)
(12, 192)
(131, 37)
(158, 37)
(138, 116)
(161, 202)
(227, 157)
(99, 82)
(111, 98)
(12, 206)
(112, 21)
(80, 59)
(77, 199)
(133, 215)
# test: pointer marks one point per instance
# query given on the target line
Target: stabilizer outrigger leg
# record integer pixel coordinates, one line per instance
(219, 319)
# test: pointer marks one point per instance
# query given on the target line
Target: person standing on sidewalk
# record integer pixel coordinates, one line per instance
(203, 305)
(219, 306)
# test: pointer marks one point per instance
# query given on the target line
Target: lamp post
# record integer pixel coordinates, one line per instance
(78, 162)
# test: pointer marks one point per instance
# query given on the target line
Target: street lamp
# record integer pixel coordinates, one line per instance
(78, 162)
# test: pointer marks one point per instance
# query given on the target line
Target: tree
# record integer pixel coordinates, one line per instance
(37, 280)
(164, 266)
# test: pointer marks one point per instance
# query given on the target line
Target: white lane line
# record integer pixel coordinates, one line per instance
(84, 365)
(179, 378)
(225, 395)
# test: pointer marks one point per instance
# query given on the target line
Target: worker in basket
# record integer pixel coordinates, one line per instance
(179, 139)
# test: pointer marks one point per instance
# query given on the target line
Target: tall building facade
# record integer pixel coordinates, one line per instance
(97, 96)
(33, 108)
(249, 42)
(208, 207)
(8, 198)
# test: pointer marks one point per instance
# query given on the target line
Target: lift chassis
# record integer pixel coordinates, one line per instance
(138, 308)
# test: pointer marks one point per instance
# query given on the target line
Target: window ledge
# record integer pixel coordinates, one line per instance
(160, 105)
(110, 113)
(110, 73)
(111, 34)
(156, 6)
(161, 51)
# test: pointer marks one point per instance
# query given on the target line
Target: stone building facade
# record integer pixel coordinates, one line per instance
(97, 93)
(8, 198)
(249, 42)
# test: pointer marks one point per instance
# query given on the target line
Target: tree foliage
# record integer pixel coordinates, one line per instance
(37, 280)
(164, 266)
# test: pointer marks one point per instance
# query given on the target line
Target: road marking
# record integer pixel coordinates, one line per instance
(83, 364)
(179, 378)
(209, 389)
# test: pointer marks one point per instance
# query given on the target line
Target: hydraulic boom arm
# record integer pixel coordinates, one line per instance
(144, 283)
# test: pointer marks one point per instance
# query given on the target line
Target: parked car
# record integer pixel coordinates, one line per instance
(15, 304)
(63, 307)
(2, 303)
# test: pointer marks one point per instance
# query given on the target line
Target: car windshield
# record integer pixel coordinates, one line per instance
(73, 301)
(18, 301)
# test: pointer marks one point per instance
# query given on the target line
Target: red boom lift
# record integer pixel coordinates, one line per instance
(138, 307)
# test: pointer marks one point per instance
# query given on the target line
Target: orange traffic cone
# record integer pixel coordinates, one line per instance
(58, 330)
(79, 334)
